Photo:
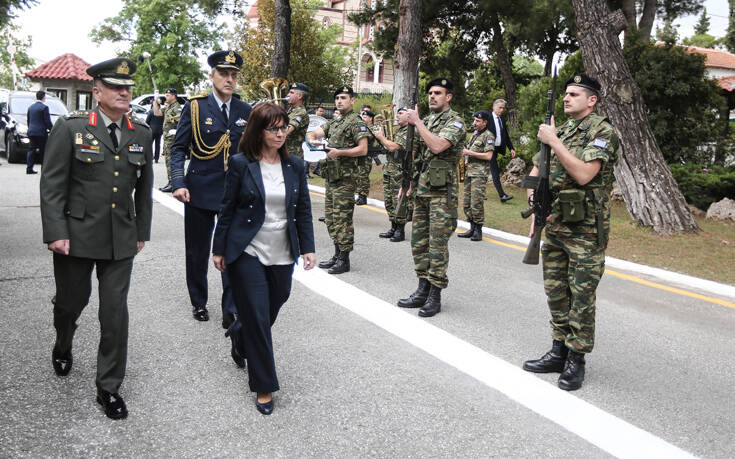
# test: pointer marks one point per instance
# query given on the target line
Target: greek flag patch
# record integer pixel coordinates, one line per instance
(600, 143)
(458, 125)
(363, 128)
(298, 119)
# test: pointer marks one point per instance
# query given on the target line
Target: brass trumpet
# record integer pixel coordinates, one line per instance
(386, 120)
(273, 89)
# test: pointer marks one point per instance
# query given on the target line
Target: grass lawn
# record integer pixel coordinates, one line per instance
(709, 254)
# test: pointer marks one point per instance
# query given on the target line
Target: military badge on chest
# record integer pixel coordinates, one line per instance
(240, 122)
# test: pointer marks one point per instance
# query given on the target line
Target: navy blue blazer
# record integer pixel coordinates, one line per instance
(243, 208)
(205, 179)
(39, 119)
(505, 141)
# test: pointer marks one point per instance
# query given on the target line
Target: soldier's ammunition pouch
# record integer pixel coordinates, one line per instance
(572, 205)
(330, 170)
(439, 173)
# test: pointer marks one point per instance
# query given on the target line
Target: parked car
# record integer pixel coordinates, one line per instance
(13, 111)
(146, 100)
(139, 112)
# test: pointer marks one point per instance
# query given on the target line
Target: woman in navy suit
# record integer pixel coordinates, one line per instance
(264, 225)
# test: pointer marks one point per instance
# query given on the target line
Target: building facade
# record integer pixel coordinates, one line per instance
(66, 77)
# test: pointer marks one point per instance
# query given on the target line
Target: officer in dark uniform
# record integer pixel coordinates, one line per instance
(211, 126)
(96, 213)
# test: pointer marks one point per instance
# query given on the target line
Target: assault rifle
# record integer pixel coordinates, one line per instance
(407, 161)
(540, 200)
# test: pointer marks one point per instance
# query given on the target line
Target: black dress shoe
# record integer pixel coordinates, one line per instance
(113, 404)
(264, 408)
(200, 313)
(31, 172)
(234, 334)
(505, 198)
(321, 219)
(168, 188)
(61, 362)
(227, 320)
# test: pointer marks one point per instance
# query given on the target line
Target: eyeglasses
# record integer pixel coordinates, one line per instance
(276, 129)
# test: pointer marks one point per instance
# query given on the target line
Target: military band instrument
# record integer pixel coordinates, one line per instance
(386, 121)
(273, 88)
(462, 168)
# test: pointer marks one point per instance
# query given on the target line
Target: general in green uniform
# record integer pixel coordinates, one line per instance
(171, 116)
(441, 136)
(347, 138)
(96, 214)
(298, 119)
(393, 176)
(573, 253)
(477, 156)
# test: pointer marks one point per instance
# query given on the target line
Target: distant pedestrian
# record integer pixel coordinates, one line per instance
(171, 116)
(39, 125)
(155, 121)
(502, 141)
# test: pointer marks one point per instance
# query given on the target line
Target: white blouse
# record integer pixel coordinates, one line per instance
(271, 244)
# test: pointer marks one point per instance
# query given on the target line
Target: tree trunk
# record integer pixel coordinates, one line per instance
(629, 11)
(506, 70)
(650, 192)
(406, 59)
(280, 59)
(645, 25)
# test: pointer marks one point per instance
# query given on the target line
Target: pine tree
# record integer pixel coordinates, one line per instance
(702, 26)
(730, 38)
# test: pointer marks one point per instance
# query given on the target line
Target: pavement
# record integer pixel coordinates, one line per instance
(359, 377)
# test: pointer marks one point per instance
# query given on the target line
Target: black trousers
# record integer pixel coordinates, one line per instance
(37, 147)
(259, 292)
(73, 287)
(157, 145)
(198, 229)
(495, 172)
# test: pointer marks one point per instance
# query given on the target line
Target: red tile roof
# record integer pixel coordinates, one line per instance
(726, 83)
(65, 67)
(714, 57)
(253, 11)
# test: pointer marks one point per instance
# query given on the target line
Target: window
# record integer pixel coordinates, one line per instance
(60, 93)
(325, 22)
(84, 100)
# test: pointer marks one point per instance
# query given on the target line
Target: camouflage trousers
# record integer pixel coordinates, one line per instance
(434, 220)
(391, 186)
(362, 178)
(573, 266)
(167, 142)
(339, 205)
(473, 202)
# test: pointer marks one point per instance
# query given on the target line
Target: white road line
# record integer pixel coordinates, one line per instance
(602, 429)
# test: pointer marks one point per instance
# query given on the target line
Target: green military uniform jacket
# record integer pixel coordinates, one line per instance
(171, 117)
(343, 133)
(447, 125)
(479, 142)
(97, 197)
(590, 138)
(299, 119)
(393, 163)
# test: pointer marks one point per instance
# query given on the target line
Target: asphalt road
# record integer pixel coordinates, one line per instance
(353, 387)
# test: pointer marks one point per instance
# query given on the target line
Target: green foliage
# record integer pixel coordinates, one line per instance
(703, 41)
(174, 32)
(8, 7)
(668, 33)
(22, 60)
(703, 185)
(682, 102)
(729, 39)
(316, 59)
(702, 26)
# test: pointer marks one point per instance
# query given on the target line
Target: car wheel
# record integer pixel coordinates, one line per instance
(13, 152)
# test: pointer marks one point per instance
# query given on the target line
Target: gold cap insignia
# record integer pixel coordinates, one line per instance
(123, 68)
(577, 79)
(444, 82)
(230, 58)
(293, 85)
(345, 89)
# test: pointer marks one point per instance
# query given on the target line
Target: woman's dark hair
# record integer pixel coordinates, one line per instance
(263, 115)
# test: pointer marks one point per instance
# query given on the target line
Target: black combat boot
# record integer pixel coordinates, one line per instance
(329, 263)
(389, 234)
(361, 200)
(551, 362)
(400, 234)
(433, 303)
(573, 375)
(417, 298)
(469, 232)
(342, 265)
(477, 233)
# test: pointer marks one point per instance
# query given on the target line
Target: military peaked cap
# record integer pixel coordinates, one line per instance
(482, 114)
(344, 90)
(368, 113)
(401, 109)
(114, 71)
(171, 91)
(584, 81)
(445, 83)
(299, 86)
(225, 59)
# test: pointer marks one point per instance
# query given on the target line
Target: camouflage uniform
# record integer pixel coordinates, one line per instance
(393, 178)
(299, 119)
(364, 166)
(435, 208)
(475, 177)
(171, 115)
(339, 202)
(574, 253)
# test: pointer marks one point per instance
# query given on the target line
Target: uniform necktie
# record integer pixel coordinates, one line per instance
(113, 135)
(224, 113)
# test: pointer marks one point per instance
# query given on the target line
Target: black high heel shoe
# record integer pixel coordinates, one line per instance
(264, 408)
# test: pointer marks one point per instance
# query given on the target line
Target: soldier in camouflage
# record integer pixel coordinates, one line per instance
(434, 186)
(365, 164)
(298, 119)
(392, 176)
(477, 158)
(580, 179)
(347, 138)
(171, 115)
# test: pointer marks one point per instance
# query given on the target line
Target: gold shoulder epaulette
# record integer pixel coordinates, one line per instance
(199, 96)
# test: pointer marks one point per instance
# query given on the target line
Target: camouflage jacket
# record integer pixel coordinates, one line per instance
(393, 163)
(299, 119)
(344, 132)
(171, 115)
(480, 142)
(447, 125)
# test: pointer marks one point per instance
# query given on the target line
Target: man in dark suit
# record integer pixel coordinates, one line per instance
(96, 213)
(39, 125)
(211, 126)
(502, 140)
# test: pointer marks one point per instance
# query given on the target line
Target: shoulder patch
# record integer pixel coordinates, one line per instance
(490, 141)
(600, 143)
(363, 128)
(458, 124)
(297, 118)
